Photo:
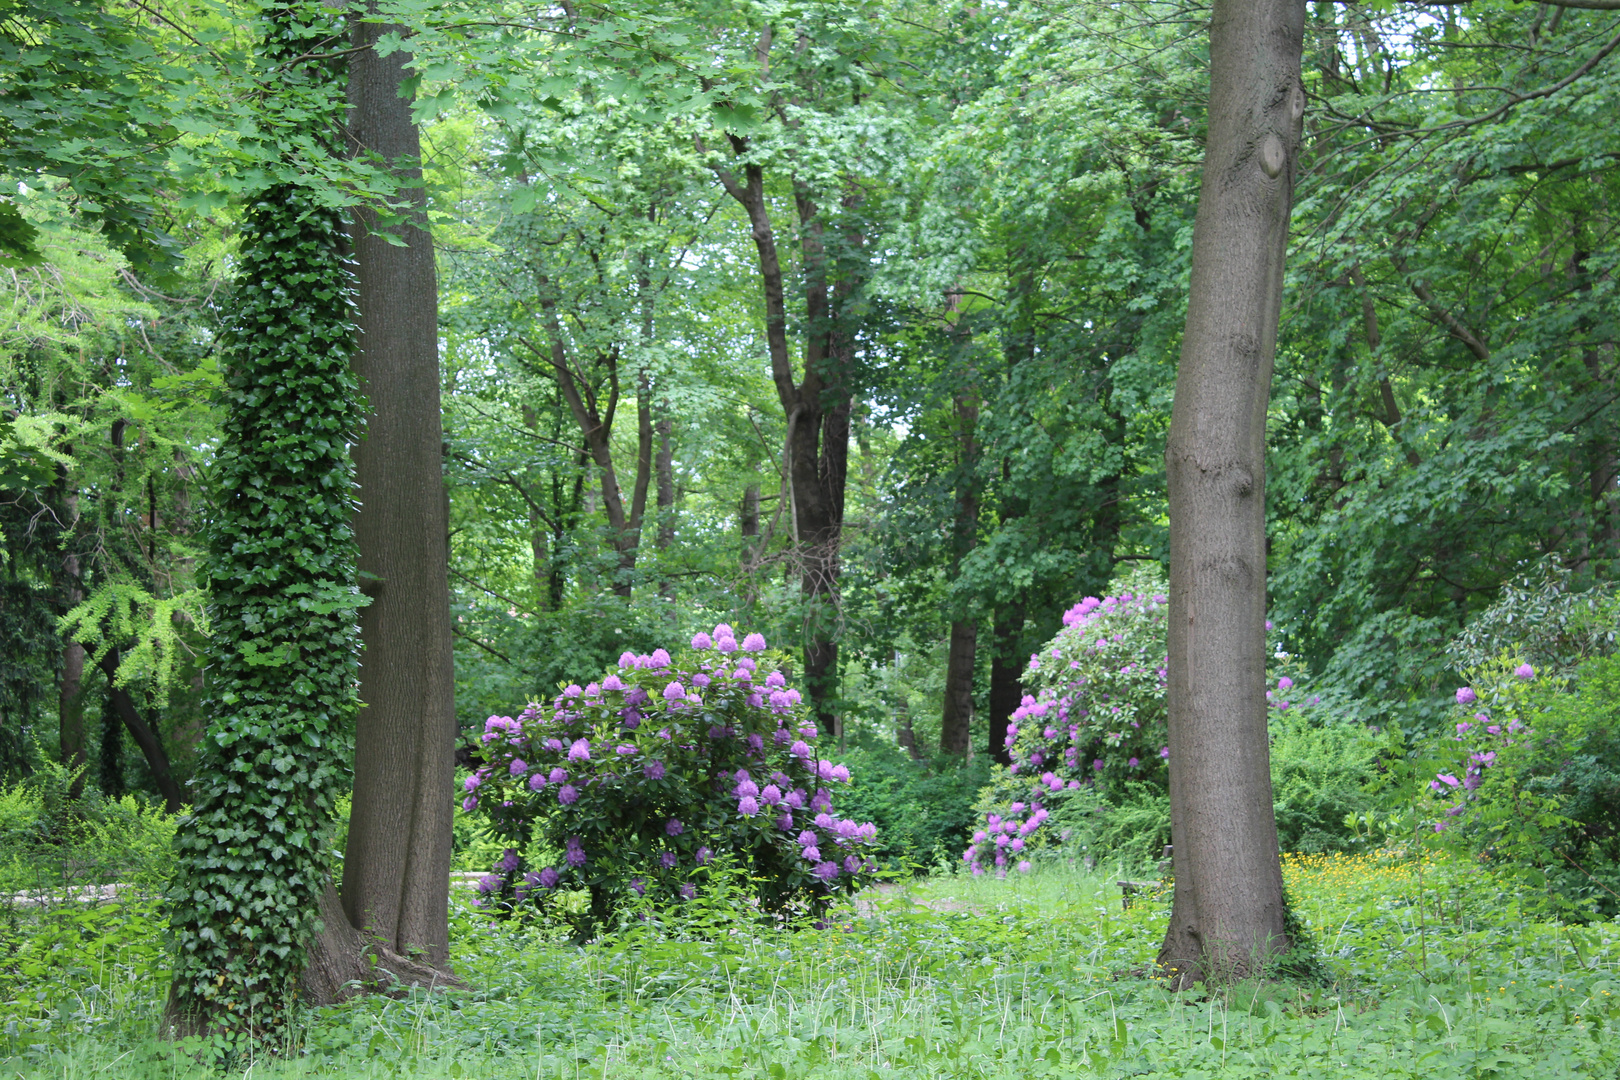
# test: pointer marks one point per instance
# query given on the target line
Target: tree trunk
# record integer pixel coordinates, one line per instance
(666, 483)
(1227, 916)
(1006, 666)
(396, 867)
(956, 721)
(144, 734)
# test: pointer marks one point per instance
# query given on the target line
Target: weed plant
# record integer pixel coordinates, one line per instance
(1434, 967)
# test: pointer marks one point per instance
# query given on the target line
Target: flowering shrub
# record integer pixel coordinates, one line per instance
(1096, 718)
(636, 782)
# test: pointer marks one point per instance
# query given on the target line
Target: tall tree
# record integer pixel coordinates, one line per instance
(1227, 918)
(396, 866)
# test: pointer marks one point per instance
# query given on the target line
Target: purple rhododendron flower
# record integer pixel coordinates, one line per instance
(626, 750)
(667, 860)
(770, 794)
(727, 645)
(745, 787)
(747, 806)
(811, 853)
(852, 865)
(1134, 762)
(724, 630)
(1466, 695)
(518, 767)
(701, 641)
(785, 822)
(703, 856)
(627, 659)
(689, 891)
(807, 838)
(568, 794)
(754, 643)
(558, 774)
(1023, 866)
(1285, 683)
(472, 783)
(1097, 764)
(674, 691)
(826, 871)
(700, 680)
(638, 886)
(488, 883)
(470, 803)
(580, 750)
(799, 749)
(673, 827)
(1164, 751)
(509, 861)
(1525, 671)
(536, 782)
(659, 659)
(775, 680)
(549, 878)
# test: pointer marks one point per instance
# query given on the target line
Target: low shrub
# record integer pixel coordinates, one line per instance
(629, 787)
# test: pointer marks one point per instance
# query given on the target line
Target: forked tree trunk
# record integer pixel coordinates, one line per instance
(1227, 917)
(396, 866)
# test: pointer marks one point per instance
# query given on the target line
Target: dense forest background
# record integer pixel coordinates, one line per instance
(864, 340)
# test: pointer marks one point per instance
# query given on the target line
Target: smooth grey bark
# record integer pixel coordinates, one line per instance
(1227, 919)
(396, 867)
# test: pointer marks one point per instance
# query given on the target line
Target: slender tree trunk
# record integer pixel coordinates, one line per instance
(1006, 666)
(956, 718)
(396, 866)
(666, 483)
(145, 735)
(1227, 917)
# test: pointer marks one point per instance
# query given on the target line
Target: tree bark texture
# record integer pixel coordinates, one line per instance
(956, 720)
(956, 717)
(396, 866)
(1227, 917)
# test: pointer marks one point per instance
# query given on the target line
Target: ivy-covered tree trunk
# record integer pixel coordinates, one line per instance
(251, 857)
(1227, 919)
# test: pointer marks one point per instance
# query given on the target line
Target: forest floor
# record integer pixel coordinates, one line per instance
(1429, 969)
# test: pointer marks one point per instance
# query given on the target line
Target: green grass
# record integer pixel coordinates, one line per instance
(1434, 970)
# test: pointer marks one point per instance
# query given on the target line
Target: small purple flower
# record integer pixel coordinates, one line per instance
(470, 803)
(1466, 695)
(674, 691)
(549, 878)
(852, 864)
(748, 806)
(826, 871)
(1447, 779)
(689, 891)
(1134, 762)
(580, 750)
(1097, 764)
(558, 775)
(1023, 866)
(673, 827)
(785, 822)
(638, 886)
(489, 883)
(626, 750)
(701, 641)
(667, 860)
(518, 767)
(627, 660)
(754, 643)
(727, 645)
(658, 660)
(700, 680)
(1285, 683)
(840, 773)
(771, 794)
(568, 794)
(653, 770)
(576, 851)
(509, 861)
(807, 838)
(572, 690)
(775, 680)
(1525, 671)
(811, 853)
(703, 856)
(799, 749)
(472, 783)
(536, 782)
(1164, 752)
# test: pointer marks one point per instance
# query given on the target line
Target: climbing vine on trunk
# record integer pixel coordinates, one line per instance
(281, 558)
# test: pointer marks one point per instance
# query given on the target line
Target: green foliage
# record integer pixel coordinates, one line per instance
(921, 809)
(1320, 775)
(251, 861)
(636, 784)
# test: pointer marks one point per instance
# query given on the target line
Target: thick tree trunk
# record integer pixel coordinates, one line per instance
(956, 718)
(396, 866)
(1227, 917)
(1006, 666)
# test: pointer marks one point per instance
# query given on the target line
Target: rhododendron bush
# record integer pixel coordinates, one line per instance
(640, 781)
(1095, 720)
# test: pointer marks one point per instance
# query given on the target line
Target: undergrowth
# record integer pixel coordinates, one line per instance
(1431, 968)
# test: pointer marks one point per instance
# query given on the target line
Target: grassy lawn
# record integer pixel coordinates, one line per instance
(1430, 970)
